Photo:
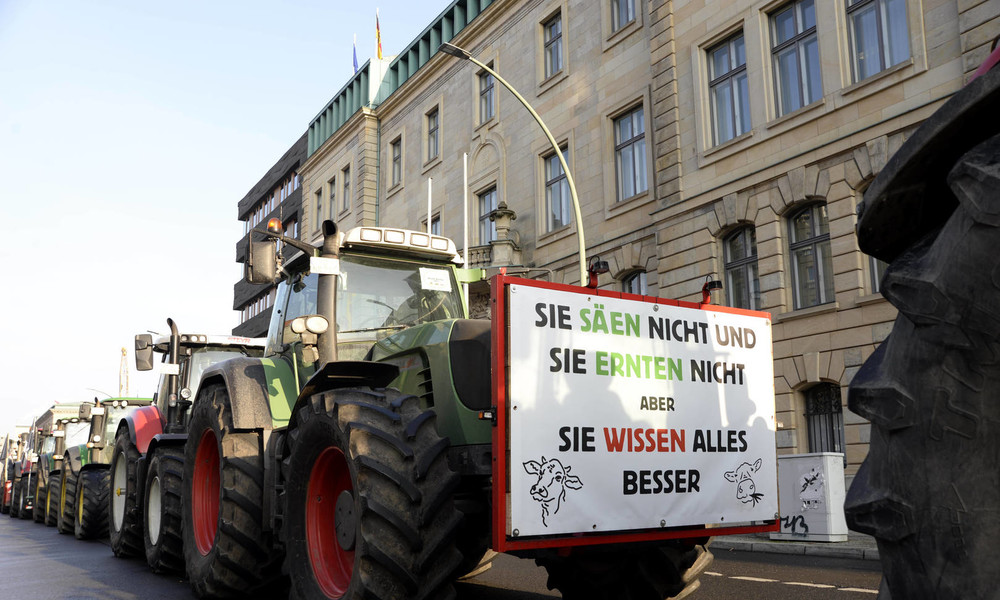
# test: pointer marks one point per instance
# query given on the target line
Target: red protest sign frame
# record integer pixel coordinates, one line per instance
(502, 541)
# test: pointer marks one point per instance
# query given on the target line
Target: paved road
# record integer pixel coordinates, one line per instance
(38, 563)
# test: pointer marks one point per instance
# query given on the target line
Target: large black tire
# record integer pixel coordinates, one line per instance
(226, 550)
(40, 505)
(369, 511)
(67, 503)
(161, 510)
(52, 499)
(629, 572)
(124, 519)
(92, 504)
(928, 490)
(15, 500)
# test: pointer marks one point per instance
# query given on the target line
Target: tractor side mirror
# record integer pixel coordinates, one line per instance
(262, 263)
(144, 352)
(85, 409)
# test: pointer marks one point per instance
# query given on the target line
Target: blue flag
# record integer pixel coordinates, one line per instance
(355, 54)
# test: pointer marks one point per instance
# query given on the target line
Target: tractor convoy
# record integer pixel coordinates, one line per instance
(379, 443)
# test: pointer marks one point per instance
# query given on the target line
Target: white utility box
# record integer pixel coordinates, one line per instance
(811, 497)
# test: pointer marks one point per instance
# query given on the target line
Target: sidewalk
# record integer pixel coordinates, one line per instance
(858, 545)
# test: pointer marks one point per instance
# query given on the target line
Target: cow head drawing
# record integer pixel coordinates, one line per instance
(553, 481)
(746, 489)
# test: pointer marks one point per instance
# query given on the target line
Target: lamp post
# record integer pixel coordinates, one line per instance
(460, 53)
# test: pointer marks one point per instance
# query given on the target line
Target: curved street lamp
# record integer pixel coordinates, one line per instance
(460, 53)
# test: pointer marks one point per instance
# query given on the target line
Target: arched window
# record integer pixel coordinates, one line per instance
(635, 283)
(825, 418)
(740, 255)
(812, 266)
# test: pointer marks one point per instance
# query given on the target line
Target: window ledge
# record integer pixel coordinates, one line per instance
(487, 124)
(877, 77)
(623, 32)
(806, 312)
(554, 235)
(728, 144)
(869, 299)
(431, 163)
(393, 190)
(551, 81)
(629, 203)
(796, 113)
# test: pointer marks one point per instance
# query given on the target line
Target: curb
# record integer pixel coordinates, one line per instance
(828, 550)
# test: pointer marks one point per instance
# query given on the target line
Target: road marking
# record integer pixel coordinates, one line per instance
(798, 583)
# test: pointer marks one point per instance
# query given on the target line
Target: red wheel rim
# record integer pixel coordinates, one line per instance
(205, 492)
(331, 564)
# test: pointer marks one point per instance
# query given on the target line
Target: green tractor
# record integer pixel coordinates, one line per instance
(362, 449)
(83, 504)
(68, 431)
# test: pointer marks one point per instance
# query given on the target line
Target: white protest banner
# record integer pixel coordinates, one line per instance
(628, 415)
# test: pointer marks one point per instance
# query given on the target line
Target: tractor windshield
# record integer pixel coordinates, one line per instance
(375, 297)
(204, 358)
(76, 433)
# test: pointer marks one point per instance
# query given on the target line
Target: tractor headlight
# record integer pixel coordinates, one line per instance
(312, 323)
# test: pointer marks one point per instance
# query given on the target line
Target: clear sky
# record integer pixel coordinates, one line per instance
(128, 133)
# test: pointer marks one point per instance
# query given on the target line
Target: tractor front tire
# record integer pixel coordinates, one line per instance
(15, 500)
(92, 504)
(369, 499)
(161, 509)
(226, 551)
(52, 500)
(67, 503)
(124, 527)
(38, 508)
(633, 572)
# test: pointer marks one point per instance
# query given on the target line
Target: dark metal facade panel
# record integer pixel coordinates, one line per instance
(287, 164)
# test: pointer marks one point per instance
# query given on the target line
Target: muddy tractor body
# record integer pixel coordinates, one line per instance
(146, 444)
(369, 450)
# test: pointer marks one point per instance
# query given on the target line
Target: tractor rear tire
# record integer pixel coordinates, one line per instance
(369, 499)
(633, 572)
(67, 503)
(226, 550)
(92, 504)
(161, 509)
(124, 526)
(15, 500)
(25, 512)
(39, 507)
(52, 499)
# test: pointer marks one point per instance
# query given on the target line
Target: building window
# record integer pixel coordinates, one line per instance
(557, 198)
(795, 52)
(433, 128)
(877, 268)
(812, 266)
(319, 207)
(622, 13)
(878, 33)
(332, 187)
(825, 418)
(553, 45)
(435, 224)
(397, 161)
(740, 254)
(630, 154)
(487, 204)
(729, 94)
(345, 175)
(487, 101)
(635, 283)
(292, 228)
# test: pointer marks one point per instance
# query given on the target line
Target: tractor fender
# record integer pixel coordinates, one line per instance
(347, 373)
(265, 389)
(95, 467)
(166, 439)
(73, 459)
(143, 424)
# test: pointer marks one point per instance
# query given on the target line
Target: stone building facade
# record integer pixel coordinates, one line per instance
(713, 139)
